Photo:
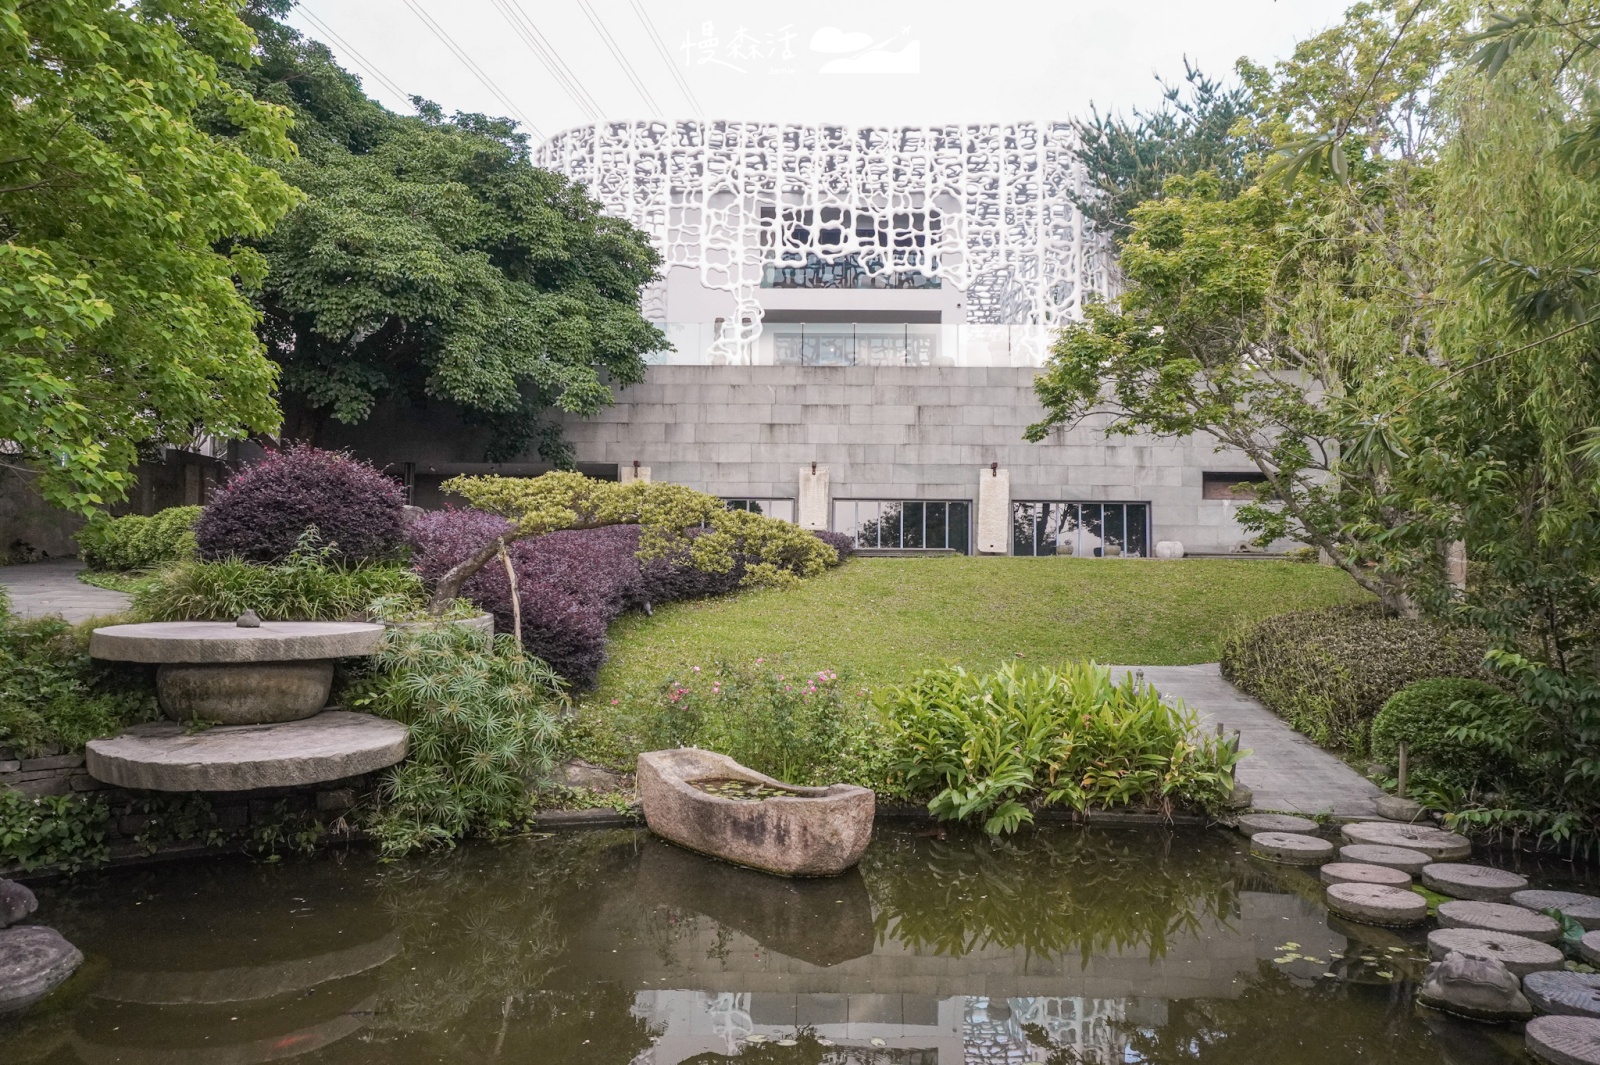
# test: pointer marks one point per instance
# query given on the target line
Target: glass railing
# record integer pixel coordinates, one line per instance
(849, 344)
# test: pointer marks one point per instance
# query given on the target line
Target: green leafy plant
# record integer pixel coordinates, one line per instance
(483, 725)
(804, 727)
(53, 695)
(1000, 745)
(1328, 672)
(307, 586)
(138, 542)
(56, 830)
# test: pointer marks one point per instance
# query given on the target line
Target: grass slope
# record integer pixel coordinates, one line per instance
(885, 619)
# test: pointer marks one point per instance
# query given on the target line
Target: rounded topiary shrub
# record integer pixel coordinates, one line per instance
(261, 514)
(138, 542)
(1328, 672)
(1422, 714)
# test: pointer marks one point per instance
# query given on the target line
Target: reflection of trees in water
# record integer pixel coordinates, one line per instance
(1278, 1018)
(1047, 891)
(483, 932)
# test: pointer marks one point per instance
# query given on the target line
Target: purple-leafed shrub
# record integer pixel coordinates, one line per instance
(572, 584)
(262, 512)
(840, 542)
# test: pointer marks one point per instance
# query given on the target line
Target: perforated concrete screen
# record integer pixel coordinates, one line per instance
(984, 208)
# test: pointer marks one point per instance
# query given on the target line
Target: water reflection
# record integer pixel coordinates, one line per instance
(1061, 946)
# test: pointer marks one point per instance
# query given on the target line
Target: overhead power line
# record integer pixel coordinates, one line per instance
(547, 55)
(466, 61)
(356, 57)
(616, 52)
(666, 57)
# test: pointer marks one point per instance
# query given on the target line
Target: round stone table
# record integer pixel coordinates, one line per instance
(224, 672)
(164, 756)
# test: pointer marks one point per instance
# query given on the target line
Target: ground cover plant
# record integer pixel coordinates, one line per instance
(54, 696)
(136, 542)
(998, 746)
(1328, 672)
(814, 727)
(308, 585)
(882, 620)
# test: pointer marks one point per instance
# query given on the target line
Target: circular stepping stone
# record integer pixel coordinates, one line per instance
(1564, 993)
(1589, 948)
(1585, 909)
(1499, 917)
(1290, 849)
(1394, 808)
(1564, 1040)
(1388, 907)
(1519, 954)
(1354, 873)
(1436, 843)
(1252, 824)
(1478, 883)
(33, 960)
(1407, 861)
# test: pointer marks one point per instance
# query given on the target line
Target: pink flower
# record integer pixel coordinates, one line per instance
(697, 669)
(614, 702)
(759, 661)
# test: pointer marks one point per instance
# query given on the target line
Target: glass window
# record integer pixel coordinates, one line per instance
(1089, 530)
(913, 524)
(782, 509)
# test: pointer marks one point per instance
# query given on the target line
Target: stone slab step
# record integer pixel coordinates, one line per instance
(1564, 1040)
(1567, 994)
(1478, 883)
(1585, 909)
(1290, 849)
(1409, 862)
(1436, 843)
(1355, 873)
(1378, 904)
(1499, 917)
(1519, 954)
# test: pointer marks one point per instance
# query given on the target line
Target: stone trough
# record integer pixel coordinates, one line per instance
(802, 832)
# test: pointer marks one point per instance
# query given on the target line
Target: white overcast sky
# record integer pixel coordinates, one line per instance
(849, 61)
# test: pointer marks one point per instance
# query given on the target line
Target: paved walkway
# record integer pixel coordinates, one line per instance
(42, 588)
(1284, 769)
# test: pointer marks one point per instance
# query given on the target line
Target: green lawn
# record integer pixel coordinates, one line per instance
(884, 619)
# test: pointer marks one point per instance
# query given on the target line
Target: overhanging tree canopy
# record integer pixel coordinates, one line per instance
(120, 320)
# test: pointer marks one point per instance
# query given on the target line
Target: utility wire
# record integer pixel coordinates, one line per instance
(666, 57)
(360, 60)
(466, 61)
(616, 52)
(542, 50)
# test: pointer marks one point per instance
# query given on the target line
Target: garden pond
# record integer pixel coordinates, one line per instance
(608, 947)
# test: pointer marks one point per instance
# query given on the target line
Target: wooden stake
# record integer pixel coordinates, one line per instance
(1400, 783)
(516, 599)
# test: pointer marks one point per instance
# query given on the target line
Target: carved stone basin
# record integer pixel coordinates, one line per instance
(798, 832)
(223, 672)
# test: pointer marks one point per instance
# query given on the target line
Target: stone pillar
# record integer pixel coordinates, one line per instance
(811, 509)
(994, 512)
(631, 472)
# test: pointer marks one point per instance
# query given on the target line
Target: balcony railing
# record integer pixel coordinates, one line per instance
(847, 344)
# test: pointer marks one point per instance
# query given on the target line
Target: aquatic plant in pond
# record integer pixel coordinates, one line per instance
(1003, 744)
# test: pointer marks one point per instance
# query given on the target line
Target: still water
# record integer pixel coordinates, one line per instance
(1063, 946)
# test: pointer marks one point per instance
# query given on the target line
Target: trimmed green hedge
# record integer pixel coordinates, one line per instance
(1422, 715)
(138, 542)
(1328, 672)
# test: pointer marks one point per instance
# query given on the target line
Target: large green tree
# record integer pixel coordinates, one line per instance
(430, 259)
(122, 323)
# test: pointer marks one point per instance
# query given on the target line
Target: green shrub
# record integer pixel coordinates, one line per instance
(138, 542)
(57, 830)
(1328, 672)
(1005, 743)
(307, 586)
(804, 727)
(1428, 717)
(483, 722)
(52, 694)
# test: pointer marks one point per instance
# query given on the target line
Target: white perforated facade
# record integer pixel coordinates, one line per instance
(925, 225)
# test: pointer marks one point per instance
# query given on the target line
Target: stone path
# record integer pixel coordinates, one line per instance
(41, 588)
(1285, 770)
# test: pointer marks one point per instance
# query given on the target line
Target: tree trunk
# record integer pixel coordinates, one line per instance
(449, 586)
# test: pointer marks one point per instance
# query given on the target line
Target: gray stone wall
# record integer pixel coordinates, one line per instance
(896, 433)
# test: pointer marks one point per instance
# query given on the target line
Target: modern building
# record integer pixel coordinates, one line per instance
(856, 317)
